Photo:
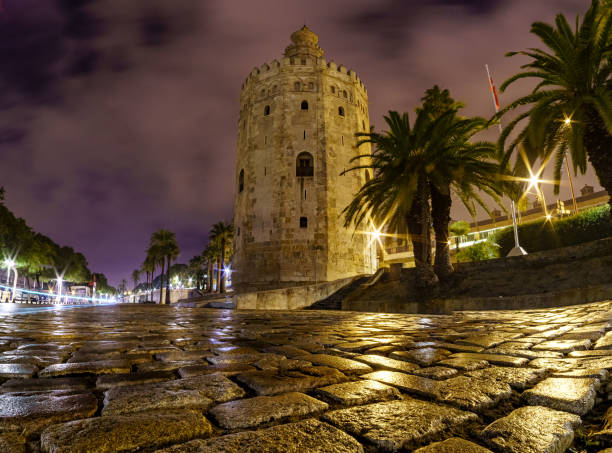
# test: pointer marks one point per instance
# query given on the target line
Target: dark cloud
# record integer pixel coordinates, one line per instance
(119, 117)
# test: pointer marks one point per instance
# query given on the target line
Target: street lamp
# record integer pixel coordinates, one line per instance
(10, 264)
(59, 280)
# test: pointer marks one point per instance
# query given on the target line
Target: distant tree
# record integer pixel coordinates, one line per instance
(165, 246)
(135, 277)
(459, 229)
(222, 234)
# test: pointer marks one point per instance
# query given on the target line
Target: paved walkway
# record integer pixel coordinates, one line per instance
(159, 378)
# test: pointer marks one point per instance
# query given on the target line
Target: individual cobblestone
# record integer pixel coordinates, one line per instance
(308, 378)
(453, 445)
(532, 429)
(123, 433)
(576, 395)
(360, 392)
(29, 412)
(399, 424)
(250, 412)
(310, 436)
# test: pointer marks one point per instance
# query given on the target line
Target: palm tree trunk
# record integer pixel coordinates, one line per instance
(208, 275)
(218, 289)
(598, 143)
(440, 212)
(223, 276)
(168, 281)
(161, 282)
(418, 221)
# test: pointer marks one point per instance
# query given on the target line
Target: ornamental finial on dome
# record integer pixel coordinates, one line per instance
(304, 42)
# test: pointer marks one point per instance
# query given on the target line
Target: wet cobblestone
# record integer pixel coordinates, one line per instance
(147, 378)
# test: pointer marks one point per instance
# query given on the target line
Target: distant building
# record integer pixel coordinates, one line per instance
(296, 135)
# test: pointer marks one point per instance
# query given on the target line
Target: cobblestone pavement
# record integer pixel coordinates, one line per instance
(159, 378)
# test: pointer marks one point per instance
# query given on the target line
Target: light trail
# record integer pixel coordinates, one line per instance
(63, 297)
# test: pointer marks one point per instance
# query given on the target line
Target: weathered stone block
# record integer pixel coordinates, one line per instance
(121, 433)
(394, 425)
(575, 395)
(310, 436)
(532, 429)
(250, 412)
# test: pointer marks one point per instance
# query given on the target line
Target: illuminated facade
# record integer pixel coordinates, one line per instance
(296, 135)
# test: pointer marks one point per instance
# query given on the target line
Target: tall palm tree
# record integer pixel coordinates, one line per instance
(163, 243)
(456, 165)
(398, 194)
(207, 255)
(222, 233)
(571, 106)
(148, 266)
(135, 278)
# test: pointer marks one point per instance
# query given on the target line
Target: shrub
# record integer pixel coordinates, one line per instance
(538, 235)
(481, 251)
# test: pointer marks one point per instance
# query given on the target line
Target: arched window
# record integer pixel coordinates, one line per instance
(303, 61)
(296, 86)
(266, 110)
(341, 111)
(304, 165)
(263, 92)
(304, 105)
(303, 222)
(310, 86)
(344, 93)
(333, 89)
(241, 181)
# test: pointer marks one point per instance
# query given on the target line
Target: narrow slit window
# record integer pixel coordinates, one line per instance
(342, 139)
(304, 194)
(265, 139)
(304, 135)
(341, 111)
(304, 105)
(241, 181)
(266, 110)
(303, 222)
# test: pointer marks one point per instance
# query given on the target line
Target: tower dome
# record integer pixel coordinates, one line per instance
(304, 42)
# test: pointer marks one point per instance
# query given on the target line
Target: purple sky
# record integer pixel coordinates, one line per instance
(119, 117)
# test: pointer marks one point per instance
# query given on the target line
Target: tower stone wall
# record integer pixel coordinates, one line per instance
(296, 135)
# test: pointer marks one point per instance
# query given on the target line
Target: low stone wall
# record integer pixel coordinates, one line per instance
(566, 276)
(288, 298)
(577, 296)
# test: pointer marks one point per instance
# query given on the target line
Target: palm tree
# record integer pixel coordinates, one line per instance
(135, 278)
(211, 252)
(456, 165)
(571, 106)
(398, 194)
(222, 233)
(163, 246)
(148, 266)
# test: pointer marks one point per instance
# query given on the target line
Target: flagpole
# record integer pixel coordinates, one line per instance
(517, 250)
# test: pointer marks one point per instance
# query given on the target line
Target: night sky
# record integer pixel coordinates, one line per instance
(118, 117)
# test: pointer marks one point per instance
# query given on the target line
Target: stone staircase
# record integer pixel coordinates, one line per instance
(334, 302)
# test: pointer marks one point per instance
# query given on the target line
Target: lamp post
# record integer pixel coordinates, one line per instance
(10, 264)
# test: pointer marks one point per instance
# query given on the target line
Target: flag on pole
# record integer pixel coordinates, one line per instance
(493, 90)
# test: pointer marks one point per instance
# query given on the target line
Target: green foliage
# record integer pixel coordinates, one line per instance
(37, 256)
(595, 223)
(460, 228)
(573, 75)
(481, 251)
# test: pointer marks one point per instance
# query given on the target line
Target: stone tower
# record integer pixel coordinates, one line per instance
(296, 135)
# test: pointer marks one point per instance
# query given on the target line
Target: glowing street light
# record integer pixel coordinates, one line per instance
(59, 281)
(10, 264)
